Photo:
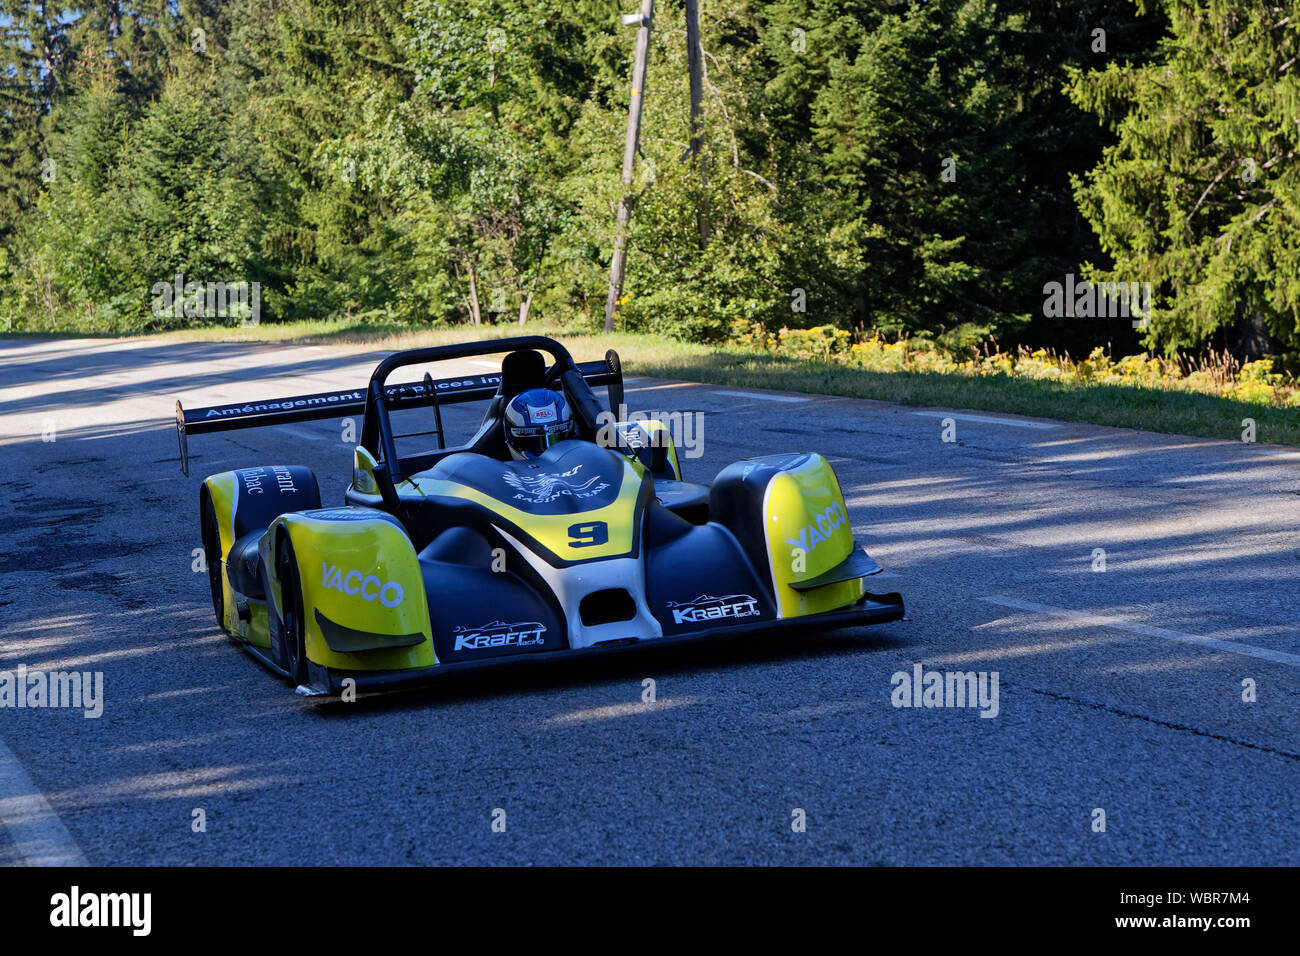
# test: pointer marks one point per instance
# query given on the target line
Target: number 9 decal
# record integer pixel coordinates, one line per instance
(588, 535)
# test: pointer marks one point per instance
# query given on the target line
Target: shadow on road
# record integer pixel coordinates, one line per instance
(630, 665)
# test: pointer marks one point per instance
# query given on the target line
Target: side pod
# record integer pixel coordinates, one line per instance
(235, 507)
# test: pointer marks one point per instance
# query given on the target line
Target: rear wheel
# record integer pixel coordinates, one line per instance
(212, 557)
(293, 635)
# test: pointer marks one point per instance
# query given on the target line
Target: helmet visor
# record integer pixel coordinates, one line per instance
(535, 439)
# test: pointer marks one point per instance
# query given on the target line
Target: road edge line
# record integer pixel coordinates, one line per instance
(38, 833)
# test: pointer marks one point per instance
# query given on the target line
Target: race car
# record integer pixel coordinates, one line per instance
(445, 558)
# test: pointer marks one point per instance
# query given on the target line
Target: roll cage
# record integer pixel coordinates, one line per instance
(522, 368)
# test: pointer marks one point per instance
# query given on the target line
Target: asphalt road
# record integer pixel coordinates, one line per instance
(1120, 690)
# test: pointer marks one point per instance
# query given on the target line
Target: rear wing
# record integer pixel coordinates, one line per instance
(306, 408)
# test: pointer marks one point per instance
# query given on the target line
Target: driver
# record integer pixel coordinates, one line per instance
(534, 421)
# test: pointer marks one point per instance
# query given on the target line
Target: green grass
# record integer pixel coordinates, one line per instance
(1123, 406)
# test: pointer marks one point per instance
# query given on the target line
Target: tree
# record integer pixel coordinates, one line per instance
(481, 138)
(718, 240)
(1200, 195)
(937, 145)
(32, 40)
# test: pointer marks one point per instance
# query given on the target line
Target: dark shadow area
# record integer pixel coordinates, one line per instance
(628, 664)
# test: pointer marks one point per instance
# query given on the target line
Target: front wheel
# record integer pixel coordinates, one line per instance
(212, 557)
(293, 633)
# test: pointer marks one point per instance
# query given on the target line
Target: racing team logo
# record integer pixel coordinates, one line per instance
(499, 634)
(539, 489)
(705, 608)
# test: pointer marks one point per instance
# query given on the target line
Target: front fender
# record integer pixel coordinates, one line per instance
(364, 602)
(788, 513)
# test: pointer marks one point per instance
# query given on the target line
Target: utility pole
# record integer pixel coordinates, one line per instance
(619, 263)
(694, 62)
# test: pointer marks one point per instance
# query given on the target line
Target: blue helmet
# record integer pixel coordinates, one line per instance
(535, 420)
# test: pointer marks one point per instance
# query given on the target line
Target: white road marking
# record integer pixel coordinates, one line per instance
(1013, 422)
(1147, 630)
(38, 834)
(760, 395)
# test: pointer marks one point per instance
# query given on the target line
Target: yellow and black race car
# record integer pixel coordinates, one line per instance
(454, 557)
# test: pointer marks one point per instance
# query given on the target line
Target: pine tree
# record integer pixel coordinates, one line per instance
(31, 45)
(941, 146)
(1200, 195)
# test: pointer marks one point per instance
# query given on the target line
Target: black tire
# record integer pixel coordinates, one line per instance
(293, 635)
(212, 556)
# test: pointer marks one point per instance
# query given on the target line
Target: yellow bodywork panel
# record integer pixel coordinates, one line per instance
(661, 435)
(364, 481)
(363, 472)
(808, 533)
(362, 574)
(572, 536)
(221, 489)
(257, 631)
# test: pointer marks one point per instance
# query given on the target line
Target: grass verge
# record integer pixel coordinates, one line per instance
(1121, 406)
